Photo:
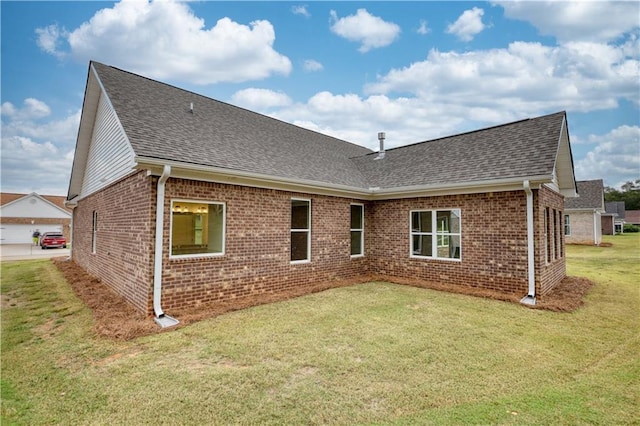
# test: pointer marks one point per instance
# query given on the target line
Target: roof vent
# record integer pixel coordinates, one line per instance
(191, 107)
(381, 137)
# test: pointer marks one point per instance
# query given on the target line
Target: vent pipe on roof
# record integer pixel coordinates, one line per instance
(381, 137)
(191, 107)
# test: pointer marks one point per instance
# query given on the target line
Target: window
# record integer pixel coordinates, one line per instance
(197, 228)
(553, 230)
(357, 230)
(300, 230)
(94, 232)
(436, 233)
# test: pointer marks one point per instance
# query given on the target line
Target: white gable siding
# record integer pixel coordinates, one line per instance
(33, 207)
(110, 153)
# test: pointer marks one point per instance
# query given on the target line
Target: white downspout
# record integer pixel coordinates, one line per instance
(595, 228)
(161, 319)
(530, 298)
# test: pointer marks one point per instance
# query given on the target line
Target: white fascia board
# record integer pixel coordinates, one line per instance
(235, 177)
(494, 185)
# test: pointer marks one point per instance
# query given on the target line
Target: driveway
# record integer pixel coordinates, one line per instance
(29, 251)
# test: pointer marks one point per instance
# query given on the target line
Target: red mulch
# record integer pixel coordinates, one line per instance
(115, 318)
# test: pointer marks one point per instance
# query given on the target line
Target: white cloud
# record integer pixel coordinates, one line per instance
(599, 21)
(311, 65)
(300, 10)
(154, 38)
(30, 166)
(33, 108)
(37, 149)
(525, 78)
(423, 29)
(49, 39)
(616, 156)
(260, 99)
(358, 119)
(371, 31)
(468, 25)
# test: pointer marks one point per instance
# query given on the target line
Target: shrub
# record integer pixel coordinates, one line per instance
(628, 227)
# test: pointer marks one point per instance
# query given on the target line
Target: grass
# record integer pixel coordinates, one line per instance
(368, 354)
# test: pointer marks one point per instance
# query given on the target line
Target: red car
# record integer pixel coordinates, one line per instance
(52, 240)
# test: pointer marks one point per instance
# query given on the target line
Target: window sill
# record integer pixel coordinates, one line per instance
(446, 259)
(196, 256)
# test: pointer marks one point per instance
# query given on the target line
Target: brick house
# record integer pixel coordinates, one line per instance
(22, 214)
(614, 218)
(180, 200)
(583, 214)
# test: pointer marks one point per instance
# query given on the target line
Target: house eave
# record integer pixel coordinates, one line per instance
(473, 187)
(235, 177)
(585, 210)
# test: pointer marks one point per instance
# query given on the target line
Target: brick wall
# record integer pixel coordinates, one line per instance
(257, 263)
(257, 255)
(550, 269)
(124, 249)
(493, 242)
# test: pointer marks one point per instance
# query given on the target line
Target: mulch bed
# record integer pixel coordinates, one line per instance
(115, 318)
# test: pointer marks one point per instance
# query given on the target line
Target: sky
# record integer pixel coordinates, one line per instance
(415, 70)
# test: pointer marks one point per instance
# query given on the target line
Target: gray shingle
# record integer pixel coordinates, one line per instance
(520, 149)
(157, 119)
(590, 195)
(158, 122)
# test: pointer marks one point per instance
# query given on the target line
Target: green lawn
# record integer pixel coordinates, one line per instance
(369, 354)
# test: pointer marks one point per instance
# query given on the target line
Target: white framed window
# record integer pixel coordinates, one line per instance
(567, 225)
(197, 228)
(94, 233)
(300, 230)
(435, 234)
(357, 230)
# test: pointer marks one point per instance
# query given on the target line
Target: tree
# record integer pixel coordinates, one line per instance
(629, 193)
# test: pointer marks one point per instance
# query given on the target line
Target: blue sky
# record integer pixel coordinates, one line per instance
(416, 70)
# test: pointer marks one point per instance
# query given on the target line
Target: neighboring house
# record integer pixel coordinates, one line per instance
(180, 200)
(613, 219)
(632, 217)
(582, 215)
(23, 214)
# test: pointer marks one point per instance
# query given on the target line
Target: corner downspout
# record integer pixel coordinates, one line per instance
(160, 318)
(530, 298)
(595, 228)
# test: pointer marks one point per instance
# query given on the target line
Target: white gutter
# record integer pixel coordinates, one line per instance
(595, 228)
(530, 298)
(161, 319)
(239, 177)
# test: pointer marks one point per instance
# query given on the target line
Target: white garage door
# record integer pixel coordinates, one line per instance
(21, 234)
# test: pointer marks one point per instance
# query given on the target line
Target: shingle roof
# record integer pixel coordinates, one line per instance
(590, 195)
(520, 149)
(632, 216)
(617, 208)
(159, 125)
(158, 122)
